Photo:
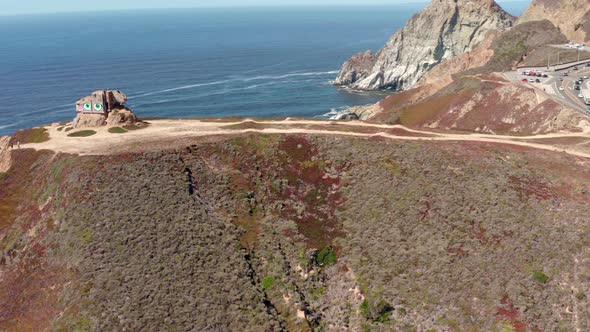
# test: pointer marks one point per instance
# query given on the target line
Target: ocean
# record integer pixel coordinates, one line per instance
(258, 62)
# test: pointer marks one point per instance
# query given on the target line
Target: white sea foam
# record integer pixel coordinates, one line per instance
(247, 79)
(185, 87)
(334, 112)
(214, 93)
(11, 125)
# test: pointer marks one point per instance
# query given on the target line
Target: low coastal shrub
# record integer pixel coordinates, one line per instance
(267, 283)
(541, 277)
(82, 133)
(60, 128)
(33, 135)
(117, 130)
(381, 313)
(3, 176)
(326, 257)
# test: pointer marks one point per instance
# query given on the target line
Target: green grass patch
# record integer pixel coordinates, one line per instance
(3, 176)
(267, 283)
(136, 127)
(117, 130)
(540, 277)
(86, 236)
(326, 257)
(82, 133)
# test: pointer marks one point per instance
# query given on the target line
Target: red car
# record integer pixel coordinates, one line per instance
(525, 80)
(533, 74)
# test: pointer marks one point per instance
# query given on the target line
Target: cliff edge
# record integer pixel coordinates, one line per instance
(5, 160)
(442, 30)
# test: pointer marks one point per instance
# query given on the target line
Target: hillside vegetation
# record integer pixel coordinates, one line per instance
(296, 233)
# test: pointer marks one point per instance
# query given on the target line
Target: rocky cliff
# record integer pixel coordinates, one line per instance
(444, 29)
(5, 160)
(572, 17)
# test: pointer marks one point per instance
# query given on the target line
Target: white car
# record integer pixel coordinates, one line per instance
(581, 95)
(531, 80)
(585, 77)
(561, 88)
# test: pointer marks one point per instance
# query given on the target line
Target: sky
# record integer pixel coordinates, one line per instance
(16, 7)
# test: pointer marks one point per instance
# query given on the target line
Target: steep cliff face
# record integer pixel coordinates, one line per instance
(4, 154)
(444, 29)
(572, 17)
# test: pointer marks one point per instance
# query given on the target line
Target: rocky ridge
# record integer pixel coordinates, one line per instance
(443, 30)
(118, 117)
(572, 17)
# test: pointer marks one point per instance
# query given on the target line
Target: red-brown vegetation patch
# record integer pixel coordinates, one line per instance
(30, 284)
(532, 187)
(309, 183)
(16, 188)
(509, 313)
(29, 294)
(458, 250)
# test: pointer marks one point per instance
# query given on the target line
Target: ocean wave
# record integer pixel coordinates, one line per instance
(11, 125)
(213, 93)
(271, 77)
(333, 112)
(247, 79)
(184, 87)
(42, 110)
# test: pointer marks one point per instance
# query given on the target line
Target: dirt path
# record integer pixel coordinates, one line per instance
(159, 130)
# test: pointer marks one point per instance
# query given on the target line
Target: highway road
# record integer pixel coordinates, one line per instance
(551, 85)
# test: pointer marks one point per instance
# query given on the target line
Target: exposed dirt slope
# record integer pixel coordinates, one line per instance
(296, 232)
(484, 103)
(572, 17)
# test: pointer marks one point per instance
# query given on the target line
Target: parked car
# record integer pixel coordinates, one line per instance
(585, 77)
(576, 68)
(561, 88)
(531, 80)
(561, 79)
(533, 74)
(566, 74)
(538, 80)
(545, 75)
(578, 87)
(525, 80)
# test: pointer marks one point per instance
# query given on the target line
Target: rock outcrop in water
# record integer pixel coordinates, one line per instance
(572, 17)
(103, 107)
(444, 29)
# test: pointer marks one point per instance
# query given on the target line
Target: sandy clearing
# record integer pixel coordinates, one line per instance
(103, 141)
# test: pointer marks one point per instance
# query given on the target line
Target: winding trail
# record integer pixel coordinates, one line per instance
(171, 129)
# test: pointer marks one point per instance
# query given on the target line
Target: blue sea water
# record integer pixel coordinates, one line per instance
(263, 62)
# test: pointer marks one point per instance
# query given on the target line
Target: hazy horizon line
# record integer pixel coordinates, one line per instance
(420, 2)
